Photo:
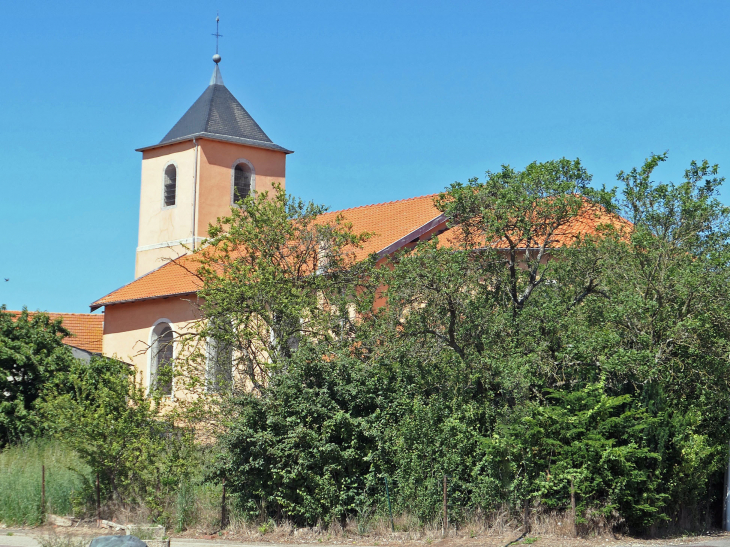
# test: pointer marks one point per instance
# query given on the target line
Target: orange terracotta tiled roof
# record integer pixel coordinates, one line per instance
(389, 223)
(393, 225)
(177, 277)
(588, 223)
(86, 329)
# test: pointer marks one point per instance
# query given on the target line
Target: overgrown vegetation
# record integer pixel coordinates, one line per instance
(542, 352)
(106, 417)
(68, 480)
(541, 347)
(32, 354)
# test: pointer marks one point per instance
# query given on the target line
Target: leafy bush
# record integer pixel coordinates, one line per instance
(32, 356)
(302, 448)
(105, 416)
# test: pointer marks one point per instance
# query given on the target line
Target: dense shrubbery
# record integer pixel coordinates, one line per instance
(32, 355)
(603, 370)
(303, 448)
(106, 417)
(317, 443)
(600, 374)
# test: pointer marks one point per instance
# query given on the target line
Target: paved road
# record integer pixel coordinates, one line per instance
(20, 539)
(16, 540)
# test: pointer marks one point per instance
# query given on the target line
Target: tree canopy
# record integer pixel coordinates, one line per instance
(563, 338)
(32, 354)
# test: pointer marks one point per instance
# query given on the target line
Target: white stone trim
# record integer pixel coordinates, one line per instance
(150, 342)
(184, 241)
(233, 176)
(162, 187)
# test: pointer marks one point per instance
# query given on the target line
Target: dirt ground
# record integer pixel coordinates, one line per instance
(302, 536)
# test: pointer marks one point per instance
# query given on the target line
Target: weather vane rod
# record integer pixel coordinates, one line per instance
(217, 35)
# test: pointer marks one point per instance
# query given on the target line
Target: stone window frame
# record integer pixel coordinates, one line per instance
(177, 178)
(233, 177)
(152, 339)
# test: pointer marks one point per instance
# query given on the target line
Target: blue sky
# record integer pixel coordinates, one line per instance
(380, 101)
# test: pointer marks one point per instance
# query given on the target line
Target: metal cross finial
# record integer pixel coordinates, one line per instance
(217, 20)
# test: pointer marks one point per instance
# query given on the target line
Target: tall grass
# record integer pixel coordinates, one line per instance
(68, 481)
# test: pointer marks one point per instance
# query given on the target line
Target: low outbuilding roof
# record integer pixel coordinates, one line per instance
(87, 329)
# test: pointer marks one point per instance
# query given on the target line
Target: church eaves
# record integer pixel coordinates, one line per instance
(218, 115)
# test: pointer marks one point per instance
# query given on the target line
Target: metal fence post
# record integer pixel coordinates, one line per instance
(223, 506)
(43, 492)
(390, 509)
(445, 524)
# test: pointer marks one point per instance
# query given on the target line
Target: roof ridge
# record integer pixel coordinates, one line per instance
(210, 105)
(382, 203)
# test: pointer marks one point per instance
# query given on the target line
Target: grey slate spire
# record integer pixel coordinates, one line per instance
(216, 78)
(218, 115)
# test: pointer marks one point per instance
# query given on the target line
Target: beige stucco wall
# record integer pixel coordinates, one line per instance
(158, 224)
(148, 260)
(162, 228)
(217, 160)
(128, 327)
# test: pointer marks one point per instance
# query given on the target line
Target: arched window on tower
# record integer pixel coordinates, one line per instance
(170, 185)
(162, 359)
(241, 182)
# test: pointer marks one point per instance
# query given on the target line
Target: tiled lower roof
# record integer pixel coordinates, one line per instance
(588, 223)
(176, 277)
(387, 222)
(86, 329)
(393, 225)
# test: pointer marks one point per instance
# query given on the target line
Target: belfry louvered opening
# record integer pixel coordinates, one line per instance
(241, 182)
(170, 185)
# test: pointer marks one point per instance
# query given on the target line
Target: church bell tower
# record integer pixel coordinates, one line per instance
(215, 155)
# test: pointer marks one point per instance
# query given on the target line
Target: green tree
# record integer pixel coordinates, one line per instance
(106, 417)
(32, 355)
(526, 305)
(543, 340)
(275, 272)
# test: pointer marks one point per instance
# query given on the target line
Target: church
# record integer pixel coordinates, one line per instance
(214, 156)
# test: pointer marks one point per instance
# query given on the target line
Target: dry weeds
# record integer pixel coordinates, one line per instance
(499, 528)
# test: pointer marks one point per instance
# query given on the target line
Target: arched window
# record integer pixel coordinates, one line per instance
(219, 369)
(170, 185)
(241, 181)
(162, 359)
